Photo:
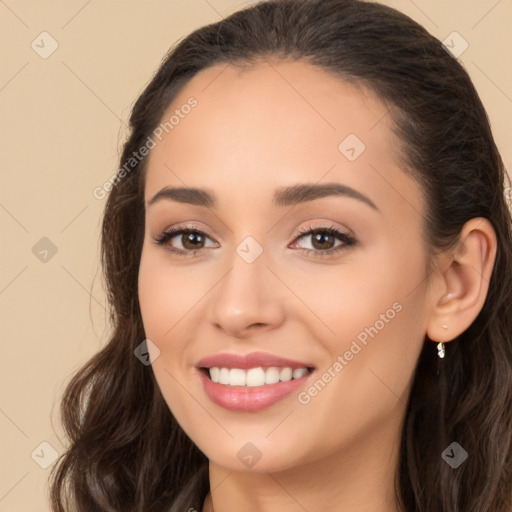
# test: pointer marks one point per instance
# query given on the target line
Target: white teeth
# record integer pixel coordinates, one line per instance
(214, 374)
(272, 375)
(224, 376)
(286, 374)
(237, 377)
(255, 376)
(299, 372)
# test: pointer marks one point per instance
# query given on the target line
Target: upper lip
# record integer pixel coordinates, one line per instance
(250, 360)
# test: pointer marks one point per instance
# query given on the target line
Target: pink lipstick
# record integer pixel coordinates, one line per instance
(251, 382)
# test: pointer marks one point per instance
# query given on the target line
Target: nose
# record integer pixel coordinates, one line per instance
(249, 297)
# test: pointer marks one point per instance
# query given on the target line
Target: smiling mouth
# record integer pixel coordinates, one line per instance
(254, 377)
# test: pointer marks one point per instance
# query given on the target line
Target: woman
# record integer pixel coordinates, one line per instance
(307, 251)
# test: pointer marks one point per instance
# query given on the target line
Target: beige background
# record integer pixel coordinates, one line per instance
(62, 121)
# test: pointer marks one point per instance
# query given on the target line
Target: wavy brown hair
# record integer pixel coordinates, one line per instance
(126, 450)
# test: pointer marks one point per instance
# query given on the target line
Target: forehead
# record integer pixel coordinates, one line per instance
(272, 124)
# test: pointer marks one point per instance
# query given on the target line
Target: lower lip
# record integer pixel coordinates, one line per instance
(249, 399)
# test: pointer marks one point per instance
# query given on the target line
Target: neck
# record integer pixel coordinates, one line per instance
(358, 477)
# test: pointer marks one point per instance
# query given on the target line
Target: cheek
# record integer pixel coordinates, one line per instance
(165, 297)
(166, 293)
(352, 297)
(376, 316)
(169, 298)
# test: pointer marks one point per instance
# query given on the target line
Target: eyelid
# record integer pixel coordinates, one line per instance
(345, 235)
(168, 233)
(324, 225)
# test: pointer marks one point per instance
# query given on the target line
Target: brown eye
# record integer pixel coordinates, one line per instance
(193, 240)
(323, 240)
(190, 239)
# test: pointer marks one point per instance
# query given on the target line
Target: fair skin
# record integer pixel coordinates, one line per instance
(274, 125)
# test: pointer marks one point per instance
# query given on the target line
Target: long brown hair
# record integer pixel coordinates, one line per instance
(127, 452)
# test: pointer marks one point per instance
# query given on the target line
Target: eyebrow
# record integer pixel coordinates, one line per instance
(284, 196)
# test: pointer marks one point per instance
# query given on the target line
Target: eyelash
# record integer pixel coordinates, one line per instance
(349, 241)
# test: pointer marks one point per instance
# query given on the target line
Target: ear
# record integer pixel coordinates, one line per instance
(461, 282)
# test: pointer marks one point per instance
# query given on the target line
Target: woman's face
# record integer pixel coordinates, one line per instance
(352, 304)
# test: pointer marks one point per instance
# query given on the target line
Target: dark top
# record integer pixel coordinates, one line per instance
(191, 498)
